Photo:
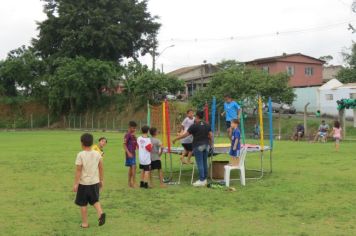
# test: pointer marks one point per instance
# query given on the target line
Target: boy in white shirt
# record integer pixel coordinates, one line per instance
(144, 154)
(88, 180)
(187, 142)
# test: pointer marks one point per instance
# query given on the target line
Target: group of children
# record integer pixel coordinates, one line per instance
(89, 177)
(149, 153)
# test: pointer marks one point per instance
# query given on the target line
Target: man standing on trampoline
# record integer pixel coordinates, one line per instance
(232, 111)
(202, 138)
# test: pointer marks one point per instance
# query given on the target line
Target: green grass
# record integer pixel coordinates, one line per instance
(310, 192)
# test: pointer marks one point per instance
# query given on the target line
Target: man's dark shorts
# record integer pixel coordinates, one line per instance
(228, 124)
(188, 147)
(87, 194)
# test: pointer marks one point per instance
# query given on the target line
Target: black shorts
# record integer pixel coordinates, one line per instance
(228, 124)
(145, 167)
(87, 194)
(156, 165)
(188, 147)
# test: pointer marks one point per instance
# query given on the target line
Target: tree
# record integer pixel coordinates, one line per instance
(327, 59)
(80, 84)
(245, 84)
(153, 86)
(106, 29)
(22, 70)
(348, 74)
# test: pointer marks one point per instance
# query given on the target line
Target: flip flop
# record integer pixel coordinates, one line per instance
(84, 227)
(102, 219)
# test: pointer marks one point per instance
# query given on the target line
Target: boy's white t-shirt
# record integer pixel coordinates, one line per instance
(90, 170)
(144, 155)
(187, 122)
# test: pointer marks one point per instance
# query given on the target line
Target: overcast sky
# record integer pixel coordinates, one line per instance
(214, 30)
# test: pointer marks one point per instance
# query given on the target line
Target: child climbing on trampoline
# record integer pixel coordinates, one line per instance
(235, 143)
(187, 142)
(156, 153)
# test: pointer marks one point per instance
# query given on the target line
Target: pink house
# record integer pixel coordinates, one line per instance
(304, 71)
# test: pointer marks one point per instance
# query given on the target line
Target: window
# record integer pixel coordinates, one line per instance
(309, 71)
(329, 97)
(353, 95)
(265, 68)
(290, 70)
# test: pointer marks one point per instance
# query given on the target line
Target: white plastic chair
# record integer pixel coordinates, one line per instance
(240, 167)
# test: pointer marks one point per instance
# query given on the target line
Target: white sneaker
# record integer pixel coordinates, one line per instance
(199, 183)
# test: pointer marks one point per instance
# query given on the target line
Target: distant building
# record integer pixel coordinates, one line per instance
(195, 77)
(304, 71)
(330, 72)
(332, 91)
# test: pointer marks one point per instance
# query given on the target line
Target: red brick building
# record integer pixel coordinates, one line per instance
(305, 71)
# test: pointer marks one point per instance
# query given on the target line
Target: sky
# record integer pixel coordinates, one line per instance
(215, 30)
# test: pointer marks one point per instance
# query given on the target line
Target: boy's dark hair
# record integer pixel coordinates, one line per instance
(227, 95)
(200, 114)
(189, 110)
(86, 139)
(102, 138)
(323, 121)
(145, 129)
(235, 121)
(153, 131)
(336, 124)
(132, 124)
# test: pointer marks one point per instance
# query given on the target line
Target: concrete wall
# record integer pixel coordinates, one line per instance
(305, 95)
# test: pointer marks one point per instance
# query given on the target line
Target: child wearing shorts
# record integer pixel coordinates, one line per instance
(336, 133)
(144, 154)
(235, 143)
(88, 180)
(156, 153)
(130, 146)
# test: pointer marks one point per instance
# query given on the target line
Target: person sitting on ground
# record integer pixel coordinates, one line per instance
(256, 131)
(322, 131)
(299, 132)
(100, 146)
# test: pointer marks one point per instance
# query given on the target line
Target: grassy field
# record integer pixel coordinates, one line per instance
(310, 192)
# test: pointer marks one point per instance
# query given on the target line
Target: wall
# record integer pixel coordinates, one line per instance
(305, 95)
(329, 107)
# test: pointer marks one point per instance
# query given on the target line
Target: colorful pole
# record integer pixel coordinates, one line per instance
(168, 126)
(206, 110)
(261, 122)
(164, 131)
(270, 122)
(148, 114)
(213, 112)
(242, 125)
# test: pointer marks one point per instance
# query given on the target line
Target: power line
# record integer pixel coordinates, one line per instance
(255, 36)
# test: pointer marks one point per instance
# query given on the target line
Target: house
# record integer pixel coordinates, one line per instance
(195, 77)
(332, 91)
(304, 71)
(330, 72)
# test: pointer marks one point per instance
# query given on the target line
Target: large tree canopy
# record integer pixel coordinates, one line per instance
(104, 29)
(348, 74)
(245, 83)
